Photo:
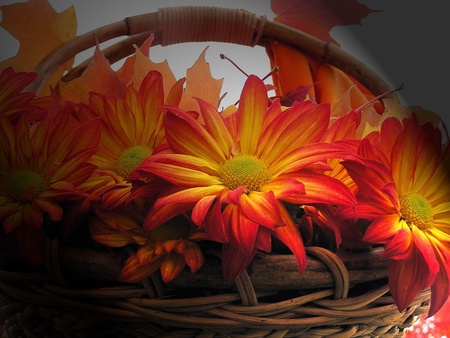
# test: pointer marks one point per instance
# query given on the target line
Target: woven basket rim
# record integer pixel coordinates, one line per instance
(257, 30)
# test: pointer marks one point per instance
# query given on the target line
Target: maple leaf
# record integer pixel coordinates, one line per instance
(200, 84)
(98, 77)
(39, 29)
(394, 108)
(137, 66)
(318, 17)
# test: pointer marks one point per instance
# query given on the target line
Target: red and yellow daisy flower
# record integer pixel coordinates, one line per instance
(404, 190)
(132, 127)
(41, 166)
(234, 174)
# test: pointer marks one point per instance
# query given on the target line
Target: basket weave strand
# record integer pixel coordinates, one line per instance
(219, 314)
(130, 310)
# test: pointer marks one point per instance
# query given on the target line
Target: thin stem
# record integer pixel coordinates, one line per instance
(224, 57)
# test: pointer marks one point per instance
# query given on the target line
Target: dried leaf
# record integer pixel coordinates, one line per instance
(393, 108)
(318, 17)
(39, 29)
(136, 67)
(98, 77)
(200, 84)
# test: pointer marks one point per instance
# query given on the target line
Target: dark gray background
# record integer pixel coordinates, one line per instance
(406, 43)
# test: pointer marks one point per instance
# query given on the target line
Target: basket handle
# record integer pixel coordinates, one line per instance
(200, 23)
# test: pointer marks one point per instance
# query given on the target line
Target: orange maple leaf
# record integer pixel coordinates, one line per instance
(200, 84)
(98, 77)
(318, 17)
(39, 29)
(137, 66)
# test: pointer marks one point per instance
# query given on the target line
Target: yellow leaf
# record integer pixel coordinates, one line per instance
(393, 108)
(200, 84)
(39, 29)
(137, 66)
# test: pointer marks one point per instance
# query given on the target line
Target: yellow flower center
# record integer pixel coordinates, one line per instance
(416, 210)
(24, 186)
(244, 170)
(131, 158)
(173, 229)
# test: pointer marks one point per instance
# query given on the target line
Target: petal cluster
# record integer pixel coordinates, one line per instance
(232, 174)
(403, 176)
(169, 248)
(42, 166)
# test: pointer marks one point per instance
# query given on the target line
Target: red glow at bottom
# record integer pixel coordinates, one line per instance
(437, 326)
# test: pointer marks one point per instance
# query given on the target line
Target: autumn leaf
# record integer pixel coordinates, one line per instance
(318, 17)
(394, 108)
(98, 77)
(137, 66)
(200, 84)
(39, 29)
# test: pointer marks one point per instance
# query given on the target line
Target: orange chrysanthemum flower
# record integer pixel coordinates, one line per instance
(234, 174)
(169, 248)
(132, 128)
(403, 188)
(40, 167)
(14, 102)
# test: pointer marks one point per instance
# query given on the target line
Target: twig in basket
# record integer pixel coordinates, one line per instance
(224, 57)
(222, 97)
(273, 70)
(379, 97)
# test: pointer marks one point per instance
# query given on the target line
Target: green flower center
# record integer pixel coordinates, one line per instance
(244, 170)
(131, 158)
(24, 186)
(175, 228)
(416, 210)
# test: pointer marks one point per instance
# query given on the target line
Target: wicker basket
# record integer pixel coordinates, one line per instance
(342, 294)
